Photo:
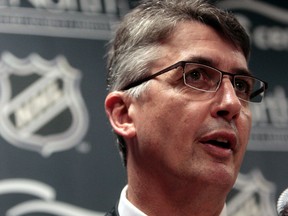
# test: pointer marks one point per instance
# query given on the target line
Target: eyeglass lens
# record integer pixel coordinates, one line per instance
(208, 79)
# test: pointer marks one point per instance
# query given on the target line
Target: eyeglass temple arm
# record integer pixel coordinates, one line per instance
(138, 82)
(259, 91)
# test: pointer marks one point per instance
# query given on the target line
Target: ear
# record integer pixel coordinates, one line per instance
(117, 105)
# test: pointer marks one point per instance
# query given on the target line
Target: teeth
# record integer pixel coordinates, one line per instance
(222, 140)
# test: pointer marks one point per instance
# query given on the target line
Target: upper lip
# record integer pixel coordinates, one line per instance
(226, 139)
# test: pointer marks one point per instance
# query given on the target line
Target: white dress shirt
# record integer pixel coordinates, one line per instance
(126, 208)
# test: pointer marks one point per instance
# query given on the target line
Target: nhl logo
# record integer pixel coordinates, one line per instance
(252, 195)
(41, 107)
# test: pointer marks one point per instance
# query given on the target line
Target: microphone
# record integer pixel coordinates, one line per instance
(282, 203)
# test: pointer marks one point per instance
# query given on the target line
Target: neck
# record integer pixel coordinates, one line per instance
(175, 197)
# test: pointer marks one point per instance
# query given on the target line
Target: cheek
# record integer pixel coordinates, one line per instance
(172, 127)
(157, 124)
(179, 118)
(245, 124)
(168, 122)
(244, 128)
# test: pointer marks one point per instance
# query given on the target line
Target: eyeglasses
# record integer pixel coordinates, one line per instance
(205, 79)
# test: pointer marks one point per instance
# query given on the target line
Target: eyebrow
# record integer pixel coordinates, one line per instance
(210, 62)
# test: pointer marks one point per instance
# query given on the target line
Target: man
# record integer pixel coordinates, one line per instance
(180, 92)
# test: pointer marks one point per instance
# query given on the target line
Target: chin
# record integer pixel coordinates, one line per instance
(222, 177)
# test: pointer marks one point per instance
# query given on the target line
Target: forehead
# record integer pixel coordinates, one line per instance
(192, 39)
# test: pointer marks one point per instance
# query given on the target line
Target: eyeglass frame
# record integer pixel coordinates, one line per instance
(183, 64)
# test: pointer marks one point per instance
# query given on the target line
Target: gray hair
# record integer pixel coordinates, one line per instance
(138, 38)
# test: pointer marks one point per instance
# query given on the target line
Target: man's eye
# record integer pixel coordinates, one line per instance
(202, 77)
(242, 86)
(196, 75)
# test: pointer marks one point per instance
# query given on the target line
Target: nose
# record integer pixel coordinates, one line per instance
(226, 105)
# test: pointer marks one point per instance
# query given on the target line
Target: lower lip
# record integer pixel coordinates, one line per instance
(217, 152)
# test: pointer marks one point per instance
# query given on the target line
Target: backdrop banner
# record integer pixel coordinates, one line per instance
(58, 155)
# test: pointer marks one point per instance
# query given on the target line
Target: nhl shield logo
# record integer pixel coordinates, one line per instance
(41, 107)
(252, 195)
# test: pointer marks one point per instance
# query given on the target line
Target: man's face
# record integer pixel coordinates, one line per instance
(180, 138)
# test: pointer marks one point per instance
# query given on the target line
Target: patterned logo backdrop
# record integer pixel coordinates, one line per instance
(57, 152)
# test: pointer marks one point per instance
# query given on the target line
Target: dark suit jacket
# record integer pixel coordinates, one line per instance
(113, 211)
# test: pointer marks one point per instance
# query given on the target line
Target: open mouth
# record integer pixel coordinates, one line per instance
(221, 140)
(221, 144)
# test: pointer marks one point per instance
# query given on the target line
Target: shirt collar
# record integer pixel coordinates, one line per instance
(224, 211)
(126, 208)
